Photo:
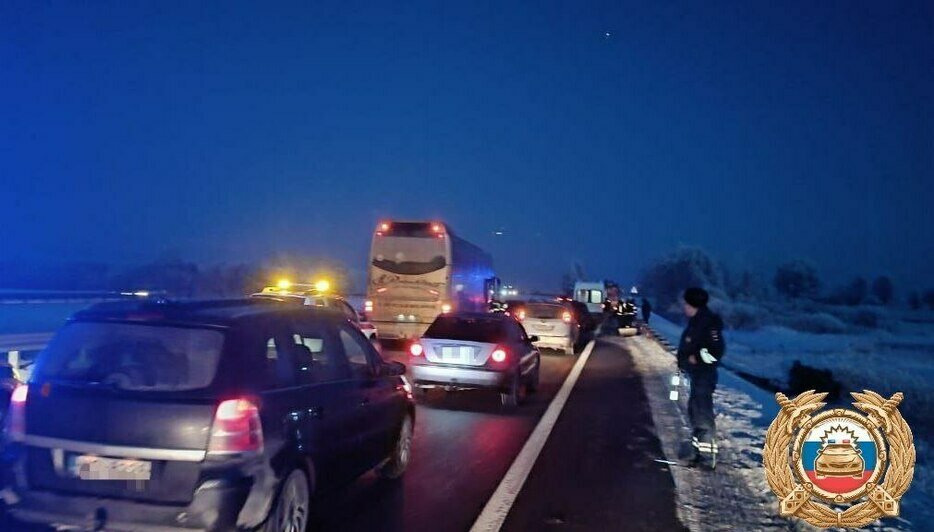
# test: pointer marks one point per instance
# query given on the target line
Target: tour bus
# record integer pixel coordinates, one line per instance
(419, 269)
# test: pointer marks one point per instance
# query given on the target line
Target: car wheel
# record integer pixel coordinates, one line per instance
(532, 385)
(290, 511)
(401, 453)
(510, 397)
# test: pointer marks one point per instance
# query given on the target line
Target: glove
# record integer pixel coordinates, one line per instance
(707, 357)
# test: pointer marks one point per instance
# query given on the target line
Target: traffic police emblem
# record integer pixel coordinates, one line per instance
(839, 468)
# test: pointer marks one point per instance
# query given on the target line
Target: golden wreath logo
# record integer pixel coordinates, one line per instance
(839, 468)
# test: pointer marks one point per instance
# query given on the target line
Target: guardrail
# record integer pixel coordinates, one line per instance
(659, 339)
(14, 346)
(24, 342)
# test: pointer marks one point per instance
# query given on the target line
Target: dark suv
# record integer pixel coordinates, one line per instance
(204, 415)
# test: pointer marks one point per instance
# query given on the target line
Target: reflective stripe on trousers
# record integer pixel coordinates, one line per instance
(704, 447)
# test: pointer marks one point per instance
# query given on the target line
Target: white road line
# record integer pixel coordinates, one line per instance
(497, 508)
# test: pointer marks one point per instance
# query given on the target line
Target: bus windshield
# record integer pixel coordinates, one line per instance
(409, 256)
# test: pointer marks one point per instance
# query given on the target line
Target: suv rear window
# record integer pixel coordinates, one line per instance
(132, 356)
(545, 312)
(467, 329)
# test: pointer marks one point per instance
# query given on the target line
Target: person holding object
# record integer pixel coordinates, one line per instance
(699, 353)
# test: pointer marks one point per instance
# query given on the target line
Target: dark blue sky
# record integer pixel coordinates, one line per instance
(223, 133)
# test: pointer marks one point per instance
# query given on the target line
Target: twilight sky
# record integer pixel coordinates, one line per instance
(602, 132)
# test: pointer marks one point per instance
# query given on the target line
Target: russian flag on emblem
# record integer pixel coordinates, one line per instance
(833, 462)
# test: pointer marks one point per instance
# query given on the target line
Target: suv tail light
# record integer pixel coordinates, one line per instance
(566, 317)
(236, 428)
(416, 349)
(498, 355)
(445, 308)
(521, 314)
(368, 306)
(16, 418)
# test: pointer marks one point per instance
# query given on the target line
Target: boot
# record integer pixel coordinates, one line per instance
(687, 454)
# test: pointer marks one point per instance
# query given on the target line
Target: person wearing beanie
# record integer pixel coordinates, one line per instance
(699, 353)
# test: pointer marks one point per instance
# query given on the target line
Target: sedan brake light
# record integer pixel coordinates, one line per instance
(416, 349)
(566, 317)
(498, 355)
(236, 428)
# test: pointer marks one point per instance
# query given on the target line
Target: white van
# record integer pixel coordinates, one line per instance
(591, 294)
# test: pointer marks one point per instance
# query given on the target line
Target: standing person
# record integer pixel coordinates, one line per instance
(646, 310)
(699, 353)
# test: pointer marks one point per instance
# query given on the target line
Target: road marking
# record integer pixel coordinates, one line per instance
(497, 508)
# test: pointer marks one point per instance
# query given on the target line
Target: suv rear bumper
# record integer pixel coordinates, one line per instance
(459, 377)
(216, 506)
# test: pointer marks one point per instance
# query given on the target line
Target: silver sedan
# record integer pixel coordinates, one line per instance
(476, 351)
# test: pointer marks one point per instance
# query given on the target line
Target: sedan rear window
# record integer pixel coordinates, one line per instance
(467, 329)
(132, 356)
(544, 312)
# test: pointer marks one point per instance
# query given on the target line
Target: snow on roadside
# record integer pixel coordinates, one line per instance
(736, 495)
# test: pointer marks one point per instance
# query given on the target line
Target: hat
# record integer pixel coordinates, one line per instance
(696, 297)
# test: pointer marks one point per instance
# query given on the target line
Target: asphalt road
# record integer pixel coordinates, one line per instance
(598, 470)
(464, 443)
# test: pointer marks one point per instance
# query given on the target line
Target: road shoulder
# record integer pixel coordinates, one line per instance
(597, 470)
(735, 496)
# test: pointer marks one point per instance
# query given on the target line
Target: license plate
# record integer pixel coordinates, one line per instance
(455, 353)
(544, 327)
(90, 467)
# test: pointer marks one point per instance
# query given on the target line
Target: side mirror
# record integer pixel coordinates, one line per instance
(533, 339)
(393, 369)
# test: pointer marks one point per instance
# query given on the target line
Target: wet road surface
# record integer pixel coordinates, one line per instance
(464, 443)
(598, 471)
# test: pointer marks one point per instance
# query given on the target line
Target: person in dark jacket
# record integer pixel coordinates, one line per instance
(699, 353)
(646, 310)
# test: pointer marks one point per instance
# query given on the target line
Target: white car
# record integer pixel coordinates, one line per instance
(316, 299)
(553, 324)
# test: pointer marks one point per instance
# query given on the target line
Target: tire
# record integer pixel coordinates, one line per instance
(401, 453)
(510, 397)
(532, 385)
(292, 506)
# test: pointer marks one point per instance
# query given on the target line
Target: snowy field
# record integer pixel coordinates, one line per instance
(880, 361)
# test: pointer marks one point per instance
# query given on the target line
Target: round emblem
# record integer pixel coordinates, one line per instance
(840, 455)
